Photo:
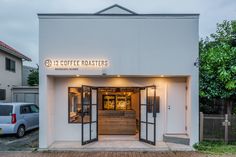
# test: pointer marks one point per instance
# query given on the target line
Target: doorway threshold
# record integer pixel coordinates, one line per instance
(118, 137)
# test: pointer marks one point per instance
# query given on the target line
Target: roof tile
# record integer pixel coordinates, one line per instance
(12, 51)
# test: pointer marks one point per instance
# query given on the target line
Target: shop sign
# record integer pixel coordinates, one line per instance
(75, 64)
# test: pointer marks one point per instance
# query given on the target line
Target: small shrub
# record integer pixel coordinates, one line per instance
(215, 147)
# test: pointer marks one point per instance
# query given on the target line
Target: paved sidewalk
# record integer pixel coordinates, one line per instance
(108, 154)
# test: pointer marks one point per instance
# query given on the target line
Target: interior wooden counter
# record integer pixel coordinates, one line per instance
(116, 122)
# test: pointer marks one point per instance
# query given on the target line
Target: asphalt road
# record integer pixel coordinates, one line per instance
(11, 143)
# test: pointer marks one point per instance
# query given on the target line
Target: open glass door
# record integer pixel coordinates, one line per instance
(148, 104)
(89, 114)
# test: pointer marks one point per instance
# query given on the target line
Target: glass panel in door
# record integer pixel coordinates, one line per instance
(89, 114)
(148, 114)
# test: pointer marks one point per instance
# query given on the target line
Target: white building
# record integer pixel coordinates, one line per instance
(124, 67)
(11, 65)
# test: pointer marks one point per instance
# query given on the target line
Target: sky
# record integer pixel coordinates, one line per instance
(19, 21)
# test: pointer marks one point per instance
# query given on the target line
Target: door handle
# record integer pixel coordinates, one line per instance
(169, 107)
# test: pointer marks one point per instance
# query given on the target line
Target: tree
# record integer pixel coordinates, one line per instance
(33, 78)
(218, 64)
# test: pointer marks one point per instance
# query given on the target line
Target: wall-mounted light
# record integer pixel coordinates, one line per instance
(118, 75)
(162, 75)
(104, 72)
(197, 63)
(77, 75)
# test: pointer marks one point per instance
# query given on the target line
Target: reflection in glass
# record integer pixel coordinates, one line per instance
(87, 113)
(86, 95)
(151, 103)
(75, 107)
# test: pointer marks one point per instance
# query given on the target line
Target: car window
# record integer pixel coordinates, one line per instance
(25, 109)
(34, 109)
(5, 110)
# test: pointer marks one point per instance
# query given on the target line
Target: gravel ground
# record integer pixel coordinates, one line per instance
(11, 143)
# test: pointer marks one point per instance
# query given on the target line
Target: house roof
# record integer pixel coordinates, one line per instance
(117, 10)
(8, 49)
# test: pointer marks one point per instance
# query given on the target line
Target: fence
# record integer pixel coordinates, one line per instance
(218, 127)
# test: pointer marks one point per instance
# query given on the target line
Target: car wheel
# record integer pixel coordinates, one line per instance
(20, 131)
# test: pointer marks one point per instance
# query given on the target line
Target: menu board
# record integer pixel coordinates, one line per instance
(109, 102)
(123, 102)
(116, 102)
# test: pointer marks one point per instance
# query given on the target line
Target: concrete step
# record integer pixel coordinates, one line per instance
(179, 139)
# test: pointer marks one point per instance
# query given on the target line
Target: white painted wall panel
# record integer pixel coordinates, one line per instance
(8, 79)
(133, 46)
(63, 131)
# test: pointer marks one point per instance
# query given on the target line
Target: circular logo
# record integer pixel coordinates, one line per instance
(48, 63)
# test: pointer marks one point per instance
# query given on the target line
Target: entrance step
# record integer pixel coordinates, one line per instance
(123, 146)
(118, 137)
(179, 139)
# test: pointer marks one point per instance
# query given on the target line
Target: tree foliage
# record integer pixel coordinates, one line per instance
(33, 78)
(218, 63)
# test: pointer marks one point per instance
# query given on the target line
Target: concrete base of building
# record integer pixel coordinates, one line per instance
(117, 143)
(178, 139)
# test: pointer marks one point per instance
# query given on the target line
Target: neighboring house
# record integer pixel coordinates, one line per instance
(11, 65)
(117, 72)
(26, 71)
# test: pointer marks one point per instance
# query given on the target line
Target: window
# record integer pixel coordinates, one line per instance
(25, 109)
(5, 110)
(75, 107)
(2, 94)
(10, 65)
(34, 109)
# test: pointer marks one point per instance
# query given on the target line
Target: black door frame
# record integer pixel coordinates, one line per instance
(90, 121)
(154, 105)
(140, 139)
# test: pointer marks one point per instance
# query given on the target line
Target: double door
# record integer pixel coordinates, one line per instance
(147, 120)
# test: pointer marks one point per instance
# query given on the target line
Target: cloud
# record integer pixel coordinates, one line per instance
(19, 22)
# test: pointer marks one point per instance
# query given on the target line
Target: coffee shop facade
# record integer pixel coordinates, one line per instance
(118, 68)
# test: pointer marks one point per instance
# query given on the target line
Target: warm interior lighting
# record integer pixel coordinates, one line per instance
(162, 75)
(118, 75)
(77, 75)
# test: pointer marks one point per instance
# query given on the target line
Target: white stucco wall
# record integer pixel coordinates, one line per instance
(156, 45)
(134, 45)
(63, 131)
(9, 78)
